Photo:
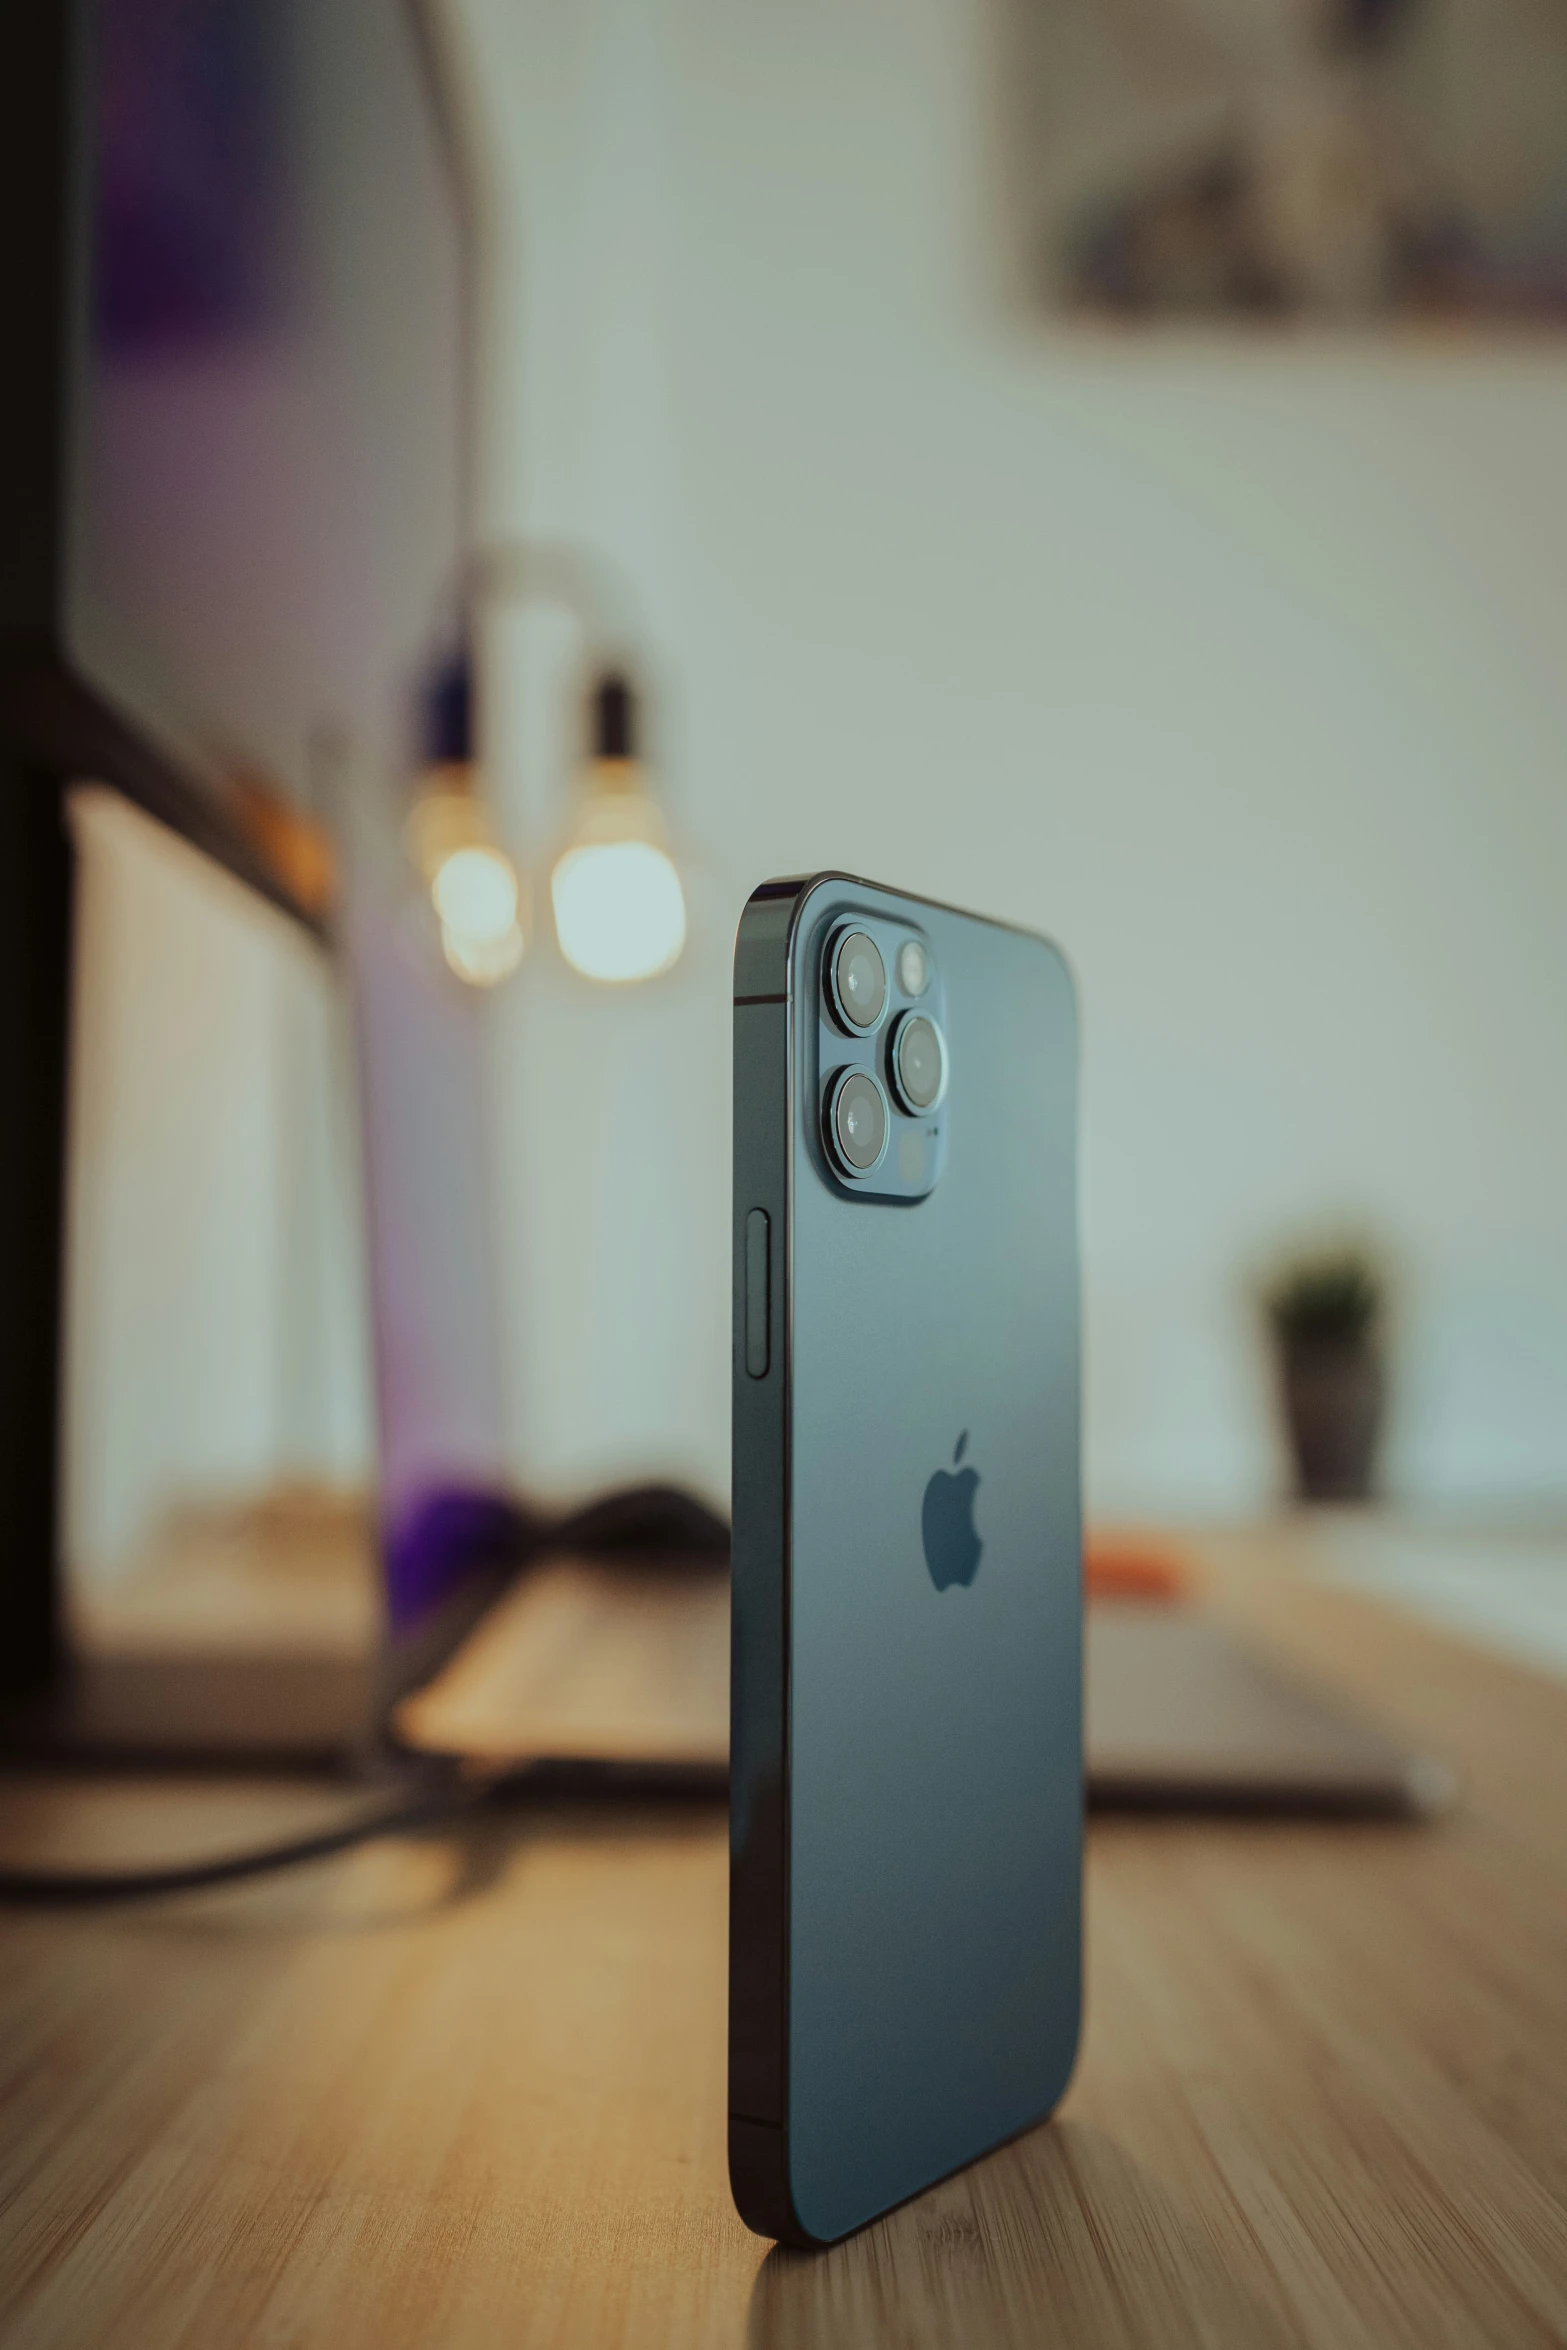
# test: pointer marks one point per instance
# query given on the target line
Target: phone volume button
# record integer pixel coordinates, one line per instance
(757, 1236)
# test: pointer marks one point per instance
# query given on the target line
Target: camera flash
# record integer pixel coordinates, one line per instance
(913, 968)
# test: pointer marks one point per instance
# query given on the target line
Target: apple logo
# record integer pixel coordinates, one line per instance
(952, 1547)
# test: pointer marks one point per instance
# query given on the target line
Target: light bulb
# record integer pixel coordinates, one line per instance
(620, 913)
(475, 893)
(448, 834)
(479, 904)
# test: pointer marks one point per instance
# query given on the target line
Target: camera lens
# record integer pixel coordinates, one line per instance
(859, 980)
(857, 1121)
(919, 1063)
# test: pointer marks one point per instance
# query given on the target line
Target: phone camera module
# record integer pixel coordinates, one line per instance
(918, 1062)
(859, 981)
(857, 1122)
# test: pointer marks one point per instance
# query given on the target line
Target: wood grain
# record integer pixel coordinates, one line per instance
(469, 2089)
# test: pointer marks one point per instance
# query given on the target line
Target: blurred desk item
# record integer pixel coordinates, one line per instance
(1182, 1715)
(590, 1660)
(613, 1662)
(469, 2088)
(1144, 1567)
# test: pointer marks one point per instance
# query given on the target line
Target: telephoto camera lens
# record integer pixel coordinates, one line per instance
(857, 1122)
(859, 980)
(919, 1063)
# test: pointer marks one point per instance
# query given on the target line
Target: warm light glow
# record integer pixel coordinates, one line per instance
(475, 893)
(620, 912)
(473, 883)
(483, 962)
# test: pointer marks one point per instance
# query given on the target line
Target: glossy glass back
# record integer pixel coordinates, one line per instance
(934, 1643)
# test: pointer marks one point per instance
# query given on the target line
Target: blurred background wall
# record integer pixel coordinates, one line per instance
(1238, 662)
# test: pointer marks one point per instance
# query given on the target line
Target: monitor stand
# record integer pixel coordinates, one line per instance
(37, 893)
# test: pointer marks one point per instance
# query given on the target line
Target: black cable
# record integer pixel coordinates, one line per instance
(73, 1888)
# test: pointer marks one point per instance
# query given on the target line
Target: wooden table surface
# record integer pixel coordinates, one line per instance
(468, 2088)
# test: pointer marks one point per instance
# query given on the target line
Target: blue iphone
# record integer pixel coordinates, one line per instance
(906, 1762)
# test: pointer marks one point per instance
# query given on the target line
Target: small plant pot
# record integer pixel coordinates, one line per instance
(1332, 1395)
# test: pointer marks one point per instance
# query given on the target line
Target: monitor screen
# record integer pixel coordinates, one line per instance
(264, 477)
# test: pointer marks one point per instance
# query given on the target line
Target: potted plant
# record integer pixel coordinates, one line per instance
(1326, 1312)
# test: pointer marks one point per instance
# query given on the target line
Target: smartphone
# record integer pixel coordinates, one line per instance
(906, 1781)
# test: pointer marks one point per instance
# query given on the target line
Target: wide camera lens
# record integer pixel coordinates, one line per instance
(857, 1122)
(859, 980)
(919, 1063)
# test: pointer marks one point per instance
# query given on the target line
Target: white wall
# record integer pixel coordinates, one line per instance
(1239, 665)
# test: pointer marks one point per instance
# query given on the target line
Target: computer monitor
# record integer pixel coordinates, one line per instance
(234, 440)
(232, 515)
